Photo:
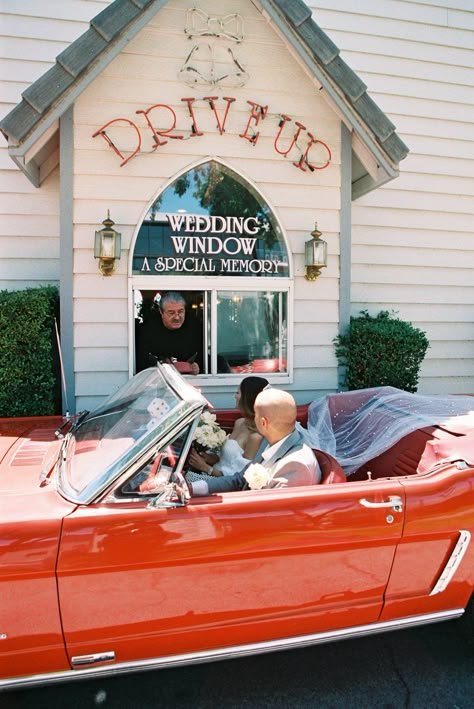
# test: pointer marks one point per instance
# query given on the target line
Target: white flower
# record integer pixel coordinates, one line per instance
(207, 418)
(208, 434)
(257, 476)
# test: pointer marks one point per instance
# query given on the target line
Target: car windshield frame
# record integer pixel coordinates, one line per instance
(130, 422)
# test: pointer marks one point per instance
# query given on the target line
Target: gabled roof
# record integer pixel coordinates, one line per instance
(31, 126)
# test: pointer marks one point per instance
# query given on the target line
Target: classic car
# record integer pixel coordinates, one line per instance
(101, 575)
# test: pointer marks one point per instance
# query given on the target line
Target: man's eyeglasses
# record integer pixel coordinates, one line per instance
(172, 313)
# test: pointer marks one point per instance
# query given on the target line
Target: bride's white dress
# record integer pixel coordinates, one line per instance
(231, 461)
(232, 458)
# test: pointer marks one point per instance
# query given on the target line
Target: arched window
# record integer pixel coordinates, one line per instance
(212, 237)
(210, 222)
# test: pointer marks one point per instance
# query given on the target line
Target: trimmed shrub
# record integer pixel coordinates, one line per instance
(381, 350)
(29, 372)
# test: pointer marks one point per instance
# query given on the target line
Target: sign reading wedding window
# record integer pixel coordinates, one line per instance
(210, 222)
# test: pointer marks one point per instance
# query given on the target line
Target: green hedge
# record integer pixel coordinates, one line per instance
(29, 371)
(381, 350)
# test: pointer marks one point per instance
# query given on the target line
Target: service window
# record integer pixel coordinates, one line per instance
(251, 332)
(211, 237)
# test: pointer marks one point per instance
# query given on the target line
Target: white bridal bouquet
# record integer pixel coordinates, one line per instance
(208, 436)
(257, 476)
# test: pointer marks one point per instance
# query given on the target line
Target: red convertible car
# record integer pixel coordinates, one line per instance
(98, 577)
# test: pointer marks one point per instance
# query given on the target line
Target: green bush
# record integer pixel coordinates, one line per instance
(29, 371)
(381, 350)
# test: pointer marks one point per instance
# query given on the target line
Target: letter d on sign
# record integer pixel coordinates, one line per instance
(104, 135)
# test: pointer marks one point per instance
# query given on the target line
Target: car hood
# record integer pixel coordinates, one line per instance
(27, 447)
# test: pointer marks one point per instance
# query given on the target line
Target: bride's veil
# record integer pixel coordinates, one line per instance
(356, 426)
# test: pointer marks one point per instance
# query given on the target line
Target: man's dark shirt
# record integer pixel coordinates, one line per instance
(155, 339)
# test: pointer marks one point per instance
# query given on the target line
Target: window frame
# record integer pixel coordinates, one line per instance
(252, 187)
(216, 283)
(220, 282)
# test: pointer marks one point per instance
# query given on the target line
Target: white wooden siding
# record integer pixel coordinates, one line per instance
(32, 34)
(416, 56)
(146, 73)
(413, 246)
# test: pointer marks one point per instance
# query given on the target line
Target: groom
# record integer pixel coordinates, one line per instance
(287, 460)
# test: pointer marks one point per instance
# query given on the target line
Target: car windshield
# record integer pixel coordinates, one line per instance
(122, 429)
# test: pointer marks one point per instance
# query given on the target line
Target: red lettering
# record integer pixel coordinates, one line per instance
(304, 158)
(157, 133)
(283, 122)
(194, 129)
(257, 112)
(104, 135)
(211, 100)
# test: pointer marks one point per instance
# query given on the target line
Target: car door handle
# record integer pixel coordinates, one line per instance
(394, 501)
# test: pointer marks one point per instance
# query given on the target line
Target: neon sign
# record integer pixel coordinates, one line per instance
(314, 155)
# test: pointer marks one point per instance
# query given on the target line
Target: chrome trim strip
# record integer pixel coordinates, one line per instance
(230, 653)
(80, 660)
(453, 562)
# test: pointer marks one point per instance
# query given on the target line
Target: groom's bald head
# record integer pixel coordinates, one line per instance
(275, 414)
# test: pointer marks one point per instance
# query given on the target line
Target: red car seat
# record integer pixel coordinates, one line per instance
(331, 471)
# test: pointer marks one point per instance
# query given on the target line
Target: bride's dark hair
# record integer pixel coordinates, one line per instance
(249, 388)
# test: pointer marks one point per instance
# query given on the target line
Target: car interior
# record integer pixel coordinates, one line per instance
(414, 454)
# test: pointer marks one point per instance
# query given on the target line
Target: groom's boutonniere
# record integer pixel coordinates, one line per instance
(257, 476)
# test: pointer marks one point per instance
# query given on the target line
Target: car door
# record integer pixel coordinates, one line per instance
(225, 570)
(433, 570)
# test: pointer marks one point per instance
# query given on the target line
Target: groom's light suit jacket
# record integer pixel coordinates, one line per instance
(292, 464)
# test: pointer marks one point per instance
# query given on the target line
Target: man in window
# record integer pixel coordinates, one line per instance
(173, 336)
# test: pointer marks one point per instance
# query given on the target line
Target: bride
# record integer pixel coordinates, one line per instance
(242, 444)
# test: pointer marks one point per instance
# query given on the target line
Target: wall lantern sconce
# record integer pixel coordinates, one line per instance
(107, 246)
(315, 255)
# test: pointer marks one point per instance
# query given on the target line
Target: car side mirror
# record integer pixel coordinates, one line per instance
(172, 496)
(175, 493)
